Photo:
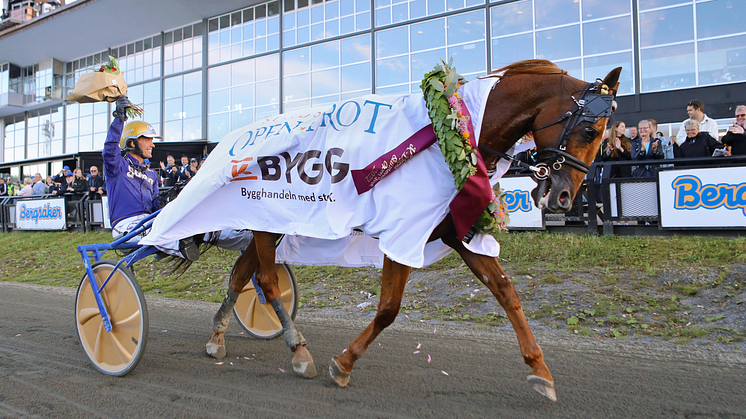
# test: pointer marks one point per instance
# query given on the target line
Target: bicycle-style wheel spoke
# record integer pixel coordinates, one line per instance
(98, 354)
(86, 314)
(131, 322)
(124, 355)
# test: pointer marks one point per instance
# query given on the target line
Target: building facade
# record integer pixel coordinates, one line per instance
(207, 77)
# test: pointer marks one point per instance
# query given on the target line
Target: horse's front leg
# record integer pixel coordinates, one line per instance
(392, 288)
(489, 271)
(243, 270)
(268, 282)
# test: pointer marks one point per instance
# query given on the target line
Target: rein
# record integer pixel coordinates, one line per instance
(595, 102)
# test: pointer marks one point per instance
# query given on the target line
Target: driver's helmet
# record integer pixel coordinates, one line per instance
(134, 130)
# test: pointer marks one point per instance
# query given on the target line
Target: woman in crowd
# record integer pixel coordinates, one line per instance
(79, 185)
(27, 189)
(617, 148)
(645, 147)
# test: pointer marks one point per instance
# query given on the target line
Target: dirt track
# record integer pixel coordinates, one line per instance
(44, 372)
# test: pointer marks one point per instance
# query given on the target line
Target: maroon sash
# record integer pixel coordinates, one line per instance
(471, 200)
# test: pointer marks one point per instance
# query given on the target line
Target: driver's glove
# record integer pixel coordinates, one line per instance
(122, 104)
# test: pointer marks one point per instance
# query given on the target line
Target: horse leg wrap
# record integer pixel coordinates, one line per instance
(220, 321)
(293, 337)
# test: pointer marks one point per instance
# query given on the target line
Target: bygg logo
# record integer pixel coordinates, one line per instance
(239, 172)
(309, 165)
(518, 201)
(691, 194)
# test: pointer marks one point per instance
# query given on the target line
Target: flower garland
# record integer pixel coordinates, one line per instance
(112, 67)
(440, 87)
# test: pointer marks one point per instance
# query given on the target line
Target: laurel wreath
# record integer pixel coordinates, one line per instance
(444, 105)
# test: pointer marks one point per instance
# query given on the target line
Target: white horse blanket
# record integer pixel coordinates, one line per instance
(291, 174)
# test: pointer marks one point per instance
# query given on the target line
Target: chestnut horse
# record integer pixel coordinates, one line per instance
(567, 117)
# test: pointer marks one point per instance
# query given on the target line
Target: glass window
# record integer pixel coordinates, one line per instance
(666, 26)
(427, 35)
(599, 67)
(596, 9)
(183, 49)
(717, 18)
(257, 31)
(183, 108)
(607, 35)
(559, 43)
(141, 63)
(555, 12)
(392, 42)
(239, 92)
(510, 49)
(652, 4)
(511, 18)
(722, 60)
(667, 67)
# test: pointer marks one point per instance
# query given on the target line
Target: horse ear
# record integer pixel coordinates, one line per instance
(612, 79)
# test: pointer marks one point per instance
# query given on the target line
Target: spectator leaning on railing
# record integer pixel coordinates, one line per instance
(698, 144)
(39, 187)
(27, 189)
(696, 111)
(96, 184)
(736, 135)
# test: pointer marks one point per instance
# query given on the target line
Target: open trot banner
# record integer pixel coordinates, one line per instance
(703, 197)
(41, 214)
(291, 174)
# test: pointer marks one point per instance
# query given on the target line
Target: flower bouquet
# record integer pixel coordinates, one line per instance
(105, 83)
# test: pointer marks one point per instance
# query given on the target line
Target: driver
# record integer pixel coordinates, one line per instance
(133, 188)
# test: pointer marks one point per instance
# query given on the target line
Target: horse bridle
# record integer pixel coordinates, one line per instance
(595, 102)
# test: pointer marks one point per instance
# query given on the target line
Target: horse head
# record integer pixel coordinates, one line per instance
(567, 146)
(567, 117)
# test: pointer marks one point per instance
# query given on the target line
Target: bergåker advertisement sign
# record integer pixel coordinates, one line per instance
(703, 197)
(41, 214)
(523, 213)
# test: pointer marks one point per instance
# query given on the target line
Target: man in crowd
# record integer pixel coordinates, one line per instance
(96, 184)
(736, 135)
(185, 168)
(633, 133)
(133, 189)
(698, 144)
(3, 187)
(39, 187)
(193, 166)
(696, 111)
(665, 142)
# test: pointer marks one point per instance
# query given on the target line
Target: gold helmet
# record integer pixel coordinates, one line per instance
(134, 130)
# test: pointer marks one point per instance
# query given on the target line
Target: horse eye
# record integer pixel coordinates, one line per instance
(590, 133)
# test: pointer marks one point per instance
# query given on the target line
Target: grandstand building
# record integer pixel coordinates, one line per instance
(204, 68)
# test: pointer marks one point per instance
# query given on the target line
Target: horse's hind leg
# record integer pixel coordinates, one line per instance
(489, 271)
(393, 280)
(267, 278)
(244, 269)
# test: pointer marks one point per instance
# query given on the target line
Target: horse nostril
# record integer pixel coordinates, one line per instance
(564, 200)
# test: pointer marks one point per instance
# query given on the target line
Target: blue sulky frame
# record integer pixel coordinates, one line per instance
(95, 251)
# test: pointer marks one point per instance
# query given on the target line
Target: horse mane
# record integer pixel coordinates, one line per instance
(528, 67)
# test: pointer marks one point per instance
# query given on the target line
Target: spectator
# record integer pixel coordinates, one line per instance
(169, 162)
(645, 148)
(185, 167)
(618, 148)
(696, 111)
(12, 189)
(39, 188)
(193, 166)
(633, 135)
(27, 189)
(698, 144)
(96, 184)
(3, 187)
(202, 162)
(665, 142)
(60, 177)
(68, 183)
(736, 135)
(80, 185)
(56, 188)
(48, 183)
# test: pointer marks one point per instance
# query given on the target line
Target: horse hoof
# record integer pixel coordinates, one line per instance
(215, 350)
(303, 363)
(340, 377)
(543, 386)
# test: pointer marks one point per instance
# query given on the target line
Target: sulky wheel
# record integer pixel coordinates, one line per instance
(259, 320)
(116, 352)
